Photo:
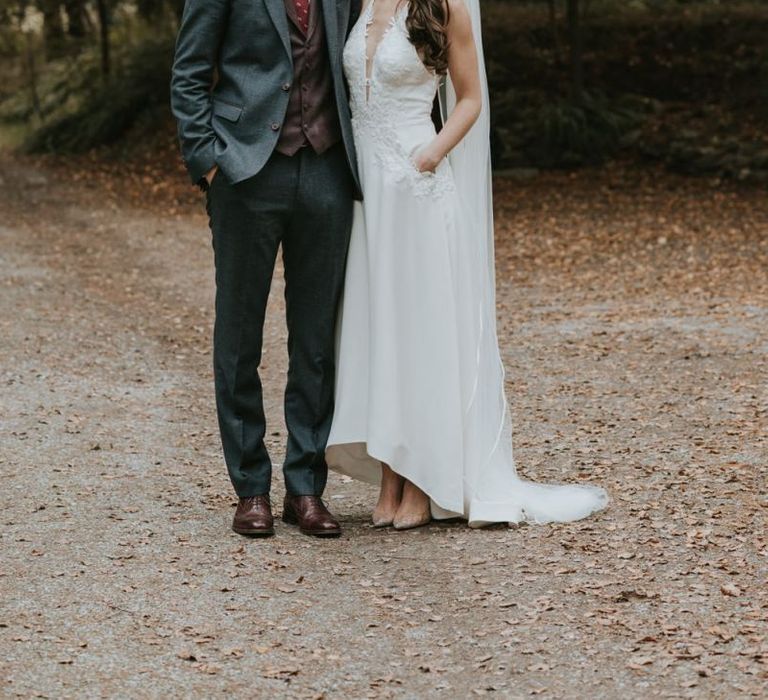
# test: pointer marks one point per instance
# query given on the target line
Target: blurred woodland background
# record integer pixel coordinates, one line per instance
(683, 83)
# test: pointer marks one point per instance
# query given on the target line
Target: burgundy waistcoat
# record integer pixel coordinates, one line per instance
(312, 117)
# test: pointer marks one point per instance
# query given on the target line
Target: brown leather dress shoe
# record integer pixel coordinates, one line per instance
(254, 517)
(311, 515)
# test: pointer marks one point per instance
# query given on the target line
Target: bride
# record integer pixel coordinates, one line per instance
(420, 402)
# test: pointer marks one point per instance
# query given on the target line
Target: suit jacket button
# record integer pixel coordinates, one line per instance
(275, 126)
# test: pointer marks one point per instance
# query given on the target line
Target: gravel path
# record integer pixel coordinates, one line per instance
(634, 317)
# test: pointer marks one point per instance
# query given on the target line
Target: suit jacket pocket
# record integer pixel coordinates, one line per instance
(227, 111)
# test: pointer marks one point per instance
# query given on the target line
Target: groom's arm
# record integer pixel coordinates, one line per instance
(197, 48)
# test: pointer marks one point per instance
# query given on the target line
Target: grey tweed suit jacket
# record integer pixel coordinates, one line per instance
(234, 122)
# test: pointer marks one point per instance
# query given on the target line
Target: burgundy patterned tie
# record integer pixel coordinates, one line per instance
(302, 14)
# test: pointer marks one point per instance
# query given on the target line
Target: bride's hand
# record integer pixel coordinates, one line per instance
(426, 159)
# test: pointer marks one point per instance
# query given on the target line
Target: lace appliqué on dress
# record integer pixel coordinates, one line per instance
(375, 114)
(395, 160)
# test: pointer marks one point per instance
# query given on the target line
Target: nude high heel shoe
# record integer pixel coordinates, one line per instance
(413, 522)
(392, 482)
(420, 515)
(382, 520)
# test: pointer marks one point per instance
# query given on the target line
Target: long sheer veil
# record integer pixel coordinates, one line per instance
(493, 490)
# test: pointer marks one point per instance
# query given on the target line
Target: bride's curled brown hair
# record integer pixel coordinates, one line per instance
(427, 24)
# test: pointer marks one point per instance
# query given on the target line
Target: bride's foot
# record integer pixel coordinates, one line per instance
(414, 508)
(389, 497)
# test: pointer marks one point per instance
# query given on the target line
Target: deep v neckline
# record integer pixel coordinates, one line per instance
(369, 56)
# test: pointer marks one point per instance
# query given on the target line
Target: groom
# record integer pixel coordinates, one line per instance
(263, 117)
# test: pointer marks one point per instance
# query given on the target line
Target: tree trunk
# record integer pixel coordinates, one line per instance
(148, 9)
(29, 59)
(178, 8)
(106, 58)
(577, 49)
(76, 16)
(53, 29)
(29, 62)
(552, 6)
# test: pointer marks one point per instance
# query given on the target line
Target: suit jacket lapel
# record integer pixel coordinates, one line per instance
(290, 10)
(277, 12)
(349, 11)
(330, 20)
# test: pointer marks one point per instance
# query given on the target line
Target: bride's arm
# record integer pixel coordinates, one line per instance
(462, 65)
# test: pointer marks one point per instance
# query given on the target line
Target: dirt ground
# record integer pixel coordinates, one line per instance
(633, 314)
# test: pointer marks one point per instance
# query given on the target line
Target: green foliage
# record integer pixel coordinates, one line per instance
(567, 132)
(585, 131)
(104, 111)
(645, 64)
(58, 85)
(681, 55)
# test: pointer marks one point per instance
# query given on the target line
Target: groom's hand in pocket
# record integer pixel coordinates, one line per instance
(211, 174)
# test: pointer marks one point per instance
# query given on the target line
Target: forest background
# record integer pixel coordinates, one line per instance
(574, 83)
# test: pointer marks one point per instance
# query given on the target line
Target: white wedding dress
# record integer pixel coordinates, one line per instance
(420, 385)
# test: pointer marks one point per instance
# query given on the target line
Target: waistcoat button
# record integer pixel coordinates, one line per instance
(286, 87)
(275, 126)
